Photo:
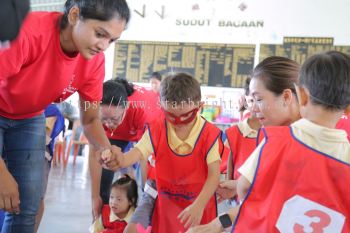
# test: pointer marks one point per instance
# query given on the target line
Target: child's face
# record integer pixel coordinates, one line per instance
(155, 84)
(249, 101)
(270, 109)
(118, 201)
(180, 114)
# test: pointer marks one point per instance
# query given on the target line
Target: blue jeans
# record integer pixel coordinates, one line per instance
(22, 146)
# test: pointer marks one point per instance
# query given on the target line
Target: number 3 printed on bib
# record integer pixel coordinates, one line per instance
(301, 215)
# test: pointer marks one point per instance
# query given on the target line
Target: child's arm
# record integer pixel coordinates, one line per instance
(243, 186)
(247, 171)
(192, 215)
(115, 159)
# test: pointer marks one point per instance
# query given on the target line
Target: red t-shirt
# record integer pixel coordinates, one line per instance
(132, 127)
(35, 71)
(148, 101)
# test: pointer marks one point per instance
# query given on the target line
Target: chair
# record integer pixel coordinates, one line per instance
(59, 151)
(73, 143)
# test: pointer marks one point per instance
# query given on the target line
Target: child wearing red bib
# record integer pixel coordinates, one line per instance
(241, 141)
(122, 203)
(187, 151)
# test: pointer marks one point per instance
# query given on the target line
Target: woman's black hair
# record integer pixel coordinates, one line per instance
(114, 94)
(129, 87)
(246, 92)
(103, 10)
(277, 74)
(130, 186)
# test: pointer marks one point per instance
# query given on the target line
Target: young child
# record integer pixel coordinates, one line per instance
(301, 183)
(122, 203)
(241, 139)
(187, 150)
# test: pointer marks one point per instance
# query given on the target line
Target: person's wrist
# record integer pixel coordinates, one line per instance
(217, 225)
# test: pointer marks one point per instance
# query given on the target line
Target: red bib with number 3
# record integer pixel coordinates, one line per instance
(296, 189)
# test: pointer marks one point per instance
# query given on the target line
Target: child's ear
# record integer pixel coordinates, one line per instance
(303, 95)
(347, 111)
(201, 103)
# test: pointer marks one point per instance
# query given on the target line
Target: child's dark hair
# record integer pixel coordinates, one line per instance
(246, 86)
(180, 87)
(157, 76)
(103, 10)
(327, 77)
(130, 186)
(277, 73)
(114, 93)
(246, 92)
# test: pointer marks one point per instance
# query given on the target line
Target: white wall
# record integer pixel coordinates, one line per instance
(323, 18)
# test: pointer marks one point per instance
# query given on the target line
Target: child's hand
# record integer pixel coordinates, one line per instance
(106, 155)
(226, 190)
(191, 216)
(112, 158)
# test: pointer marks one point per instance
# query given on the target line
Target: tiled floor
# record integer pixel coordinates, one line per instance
(68, 202)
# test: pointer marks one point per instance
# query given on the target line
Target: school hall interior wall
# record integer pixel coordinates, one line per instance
(227, 21)
(234, 22)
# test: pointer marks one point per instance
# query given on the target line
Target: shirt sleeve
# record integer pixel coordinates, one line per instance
(97, 226)
(249, 167)
(145, 145)
(140, 122)
(91, 89)
(144, 210)
(214, 153)
(13, 58)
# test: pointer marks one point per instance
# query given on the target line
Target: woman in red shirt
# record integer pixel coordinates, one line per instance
(53, 56)
(123, 118)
